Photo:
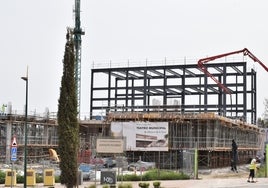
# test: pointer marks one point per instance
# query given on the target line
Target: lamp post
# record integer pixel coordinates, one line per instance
(25, 131)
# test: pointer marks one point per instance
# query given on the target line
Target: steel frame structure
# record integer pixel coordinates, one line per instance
(153, 88)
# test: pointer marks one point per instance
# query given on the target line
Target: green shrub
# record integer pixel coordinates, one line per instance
(154, 174)
(163, 175)
(39, 179)
(2, 177)
(144, 185)
(128, 177)
(92, 186)
(20, 179)
(105, 186)
(57, 179)
(156, 184)
(261, 172)
(125, 185)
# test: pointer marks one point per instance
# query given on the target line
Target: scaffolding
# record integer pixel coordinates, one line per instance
(42, 136)
(210, 133)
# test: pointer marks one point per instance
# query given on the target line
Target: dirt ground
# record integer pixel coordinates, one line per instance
(224, 173)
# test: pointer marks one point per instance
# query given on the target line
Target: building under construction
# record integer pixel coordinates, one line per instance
(209, 132)
(42, 136)
(194, 111)
(203, 111)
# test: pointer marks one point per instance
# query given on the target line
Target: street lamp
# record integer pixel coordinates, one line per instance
(25, 131)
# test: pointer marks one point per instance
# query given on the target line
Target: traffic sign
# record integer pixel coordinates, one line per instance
(13, 153)
(14, 142)
(14, 149)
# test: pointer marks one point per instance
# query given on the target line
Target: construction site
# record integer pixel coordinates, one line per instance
(206, 106)
(163, 113)
(181, 106)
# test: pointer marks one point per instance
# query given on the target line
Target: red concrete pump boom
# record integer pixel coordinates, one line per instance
(245, 51)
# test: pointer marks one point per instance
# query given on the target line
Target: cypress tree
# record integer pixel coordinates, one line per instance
(68, 129)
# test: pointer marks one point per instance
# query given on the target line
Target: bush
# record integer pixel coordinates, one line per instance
(57, 179)
(144, 185)
(125, 185)
(20, 179)
(2, 177)
(128, 177)
(156, 184)
(39, 179)
(105, 186)
(154, 174)
(261, 172)
(163, 175)
(92, 186)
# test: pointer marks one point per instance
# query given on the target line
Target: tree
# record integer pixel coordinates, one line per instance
(68, 129)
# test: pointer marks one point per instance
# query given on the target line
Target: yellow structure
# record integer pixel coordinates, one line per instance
(11, 179)
(49, 177)
(31, 178)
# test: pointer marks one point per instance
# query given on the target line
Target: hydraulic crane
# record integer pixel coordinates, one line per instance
(77, 32)
(245, 51)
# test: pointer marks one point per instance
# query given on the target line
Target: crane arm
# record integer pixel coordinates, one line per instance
(254, 58)
(245, 51)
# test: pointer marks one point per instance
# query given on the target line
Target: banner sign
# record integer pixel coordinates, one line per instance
(142, 136)
(110, 146)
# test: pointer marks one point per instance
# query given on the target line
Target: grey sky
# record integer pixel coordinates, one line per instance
(33, 34)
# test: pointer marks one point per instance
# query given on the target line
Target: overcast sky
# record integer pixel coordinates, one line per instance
(33, 34)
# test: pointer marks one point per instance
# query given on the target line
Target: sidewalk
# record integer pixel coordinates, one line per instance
(201, 183)
(216, 178)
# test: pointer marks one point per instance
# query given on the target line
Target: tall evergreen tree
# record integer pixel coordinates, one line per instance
(68, 129)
